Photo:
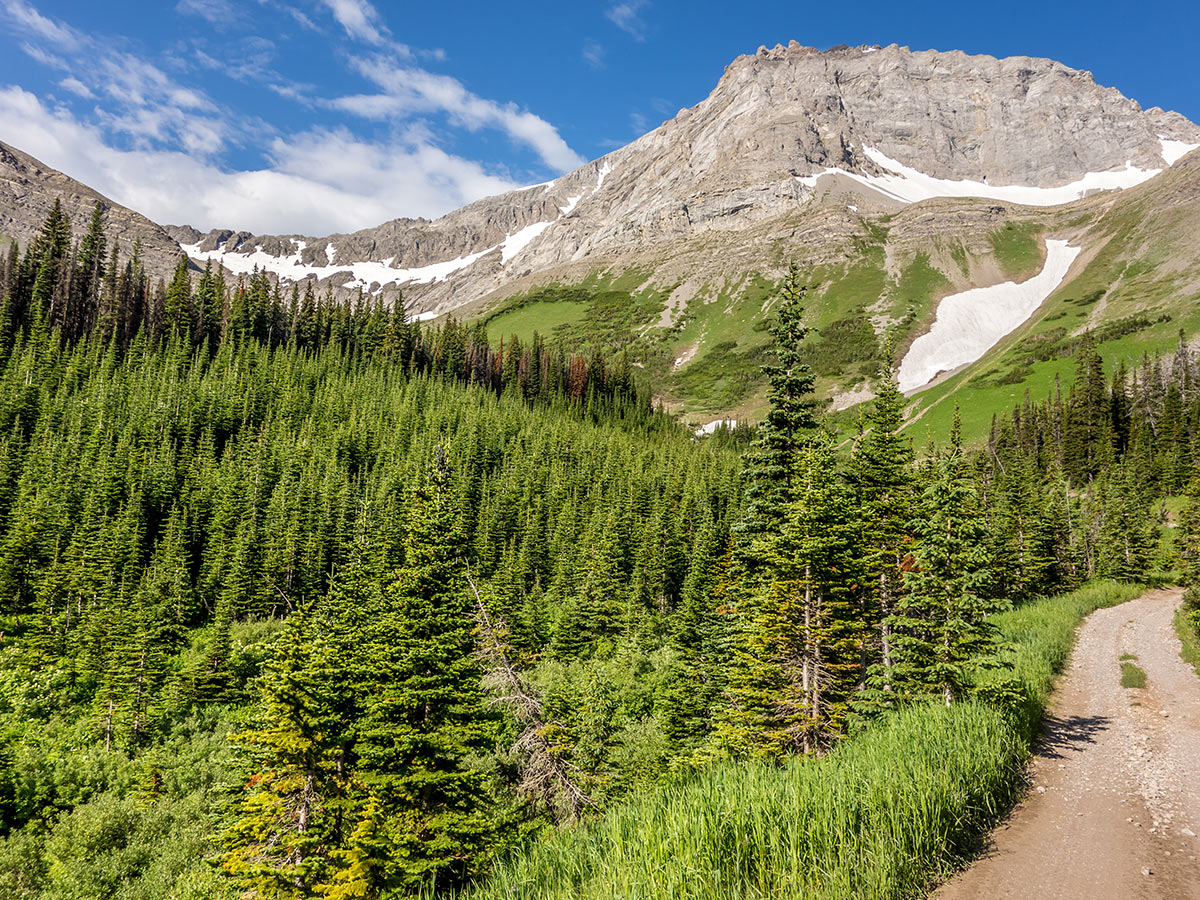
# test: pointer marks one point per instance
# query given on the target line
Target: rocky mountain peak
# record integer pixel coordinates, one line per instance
(782, 128)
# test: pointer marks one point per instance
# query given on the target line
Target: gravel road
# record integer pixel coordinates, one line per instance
(1113, 809)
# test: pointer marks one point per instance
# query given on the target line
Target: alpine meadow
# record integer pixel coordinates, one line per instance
(768, 508)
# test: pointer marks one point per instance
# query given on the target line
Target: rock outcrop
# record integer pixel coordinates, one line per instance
(28, 189)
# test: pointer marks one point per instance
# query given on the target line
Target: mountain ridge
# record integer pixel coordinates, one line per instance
(29, 187)
(776, 124)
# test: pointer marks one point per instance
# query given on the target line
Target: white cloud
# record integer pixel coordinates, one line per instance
(627, 17)
(220, 13)
(77, 87)
(593, 53)
(157, 144)
(133, 96)
(360, 19)
(320, 181)
(34, 23)
(410, 90)
(44, 57)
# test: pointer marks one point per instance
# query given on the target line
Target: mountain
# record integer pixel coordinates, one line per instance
(780, 127)
(28, 189)
(941, 202)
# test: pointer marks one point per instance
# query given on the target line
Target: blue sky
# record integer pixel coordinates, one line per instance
(317, 116)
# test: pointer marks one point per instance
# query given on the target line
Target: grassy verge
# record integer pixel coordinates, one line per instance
(1187, 626)
(880, 817)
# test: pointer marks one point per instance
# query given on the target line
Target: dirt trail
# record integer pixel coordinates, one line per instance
(1114, 803)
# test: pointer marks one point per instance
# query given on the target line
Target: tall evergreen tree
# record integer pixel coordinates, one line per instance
(940, 627)
(885, 489)
(424, 712)
(790, 419)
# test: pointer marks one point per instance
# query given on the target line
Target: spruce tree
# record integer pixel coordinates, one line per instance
(789, 420)
(424, 712)
(882, 472)
(940, 631)
(818, 558)
(290, 821)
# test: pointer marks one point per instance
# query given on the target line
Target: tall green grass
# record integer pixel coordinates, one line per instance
(880, 817)
(1187, 626)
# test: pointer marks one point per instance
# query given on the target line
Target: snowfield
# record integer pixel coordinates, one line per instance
(972, 322)
(908, 185)
(1173, 151)
(365, 273)
(382, 273)
(515, 243)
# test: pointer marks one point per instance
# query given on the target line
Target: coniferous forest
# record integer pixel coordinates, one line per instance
(301, 599)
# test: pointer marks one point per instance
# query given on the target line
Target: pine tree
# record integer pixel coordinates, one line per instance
(1087, 428)
(818, 558)
(940, 628)
(424, 710)
(788, 422)
(689, 693)
(290, 821)
(883, 478)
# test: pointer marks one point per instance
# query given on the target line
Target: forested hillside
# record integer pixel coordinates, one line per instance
(301, 599)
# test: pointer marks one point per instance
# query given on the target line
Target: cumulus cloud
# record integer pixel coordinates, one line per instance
(319, 181)
(159, 146)
(135, 97)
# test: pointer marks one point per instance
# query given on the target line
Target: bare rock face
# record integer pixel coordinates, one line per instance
(28, 189)
(751, 152)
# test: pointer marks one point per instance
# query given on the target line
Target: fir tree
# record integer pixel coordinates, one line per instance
(885, 490)
(789, 420)
(424, 711)
(940, 628)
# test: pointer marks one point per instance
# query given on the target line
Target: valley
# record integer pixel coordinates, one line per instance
(797, 500)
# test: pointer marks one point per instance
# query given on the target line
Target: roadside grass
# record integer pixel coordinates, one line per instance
(1132, 675)
(883, 816)
(1187, 626)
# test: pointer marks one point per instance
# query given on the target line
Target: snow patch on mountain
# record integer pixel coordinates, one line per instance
(909, 185)
(1173, 151)
(572, 202)
(365, 273)
(515, 243)
(970, 323)
(368, 272)
(604, 170)
(711, 427)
